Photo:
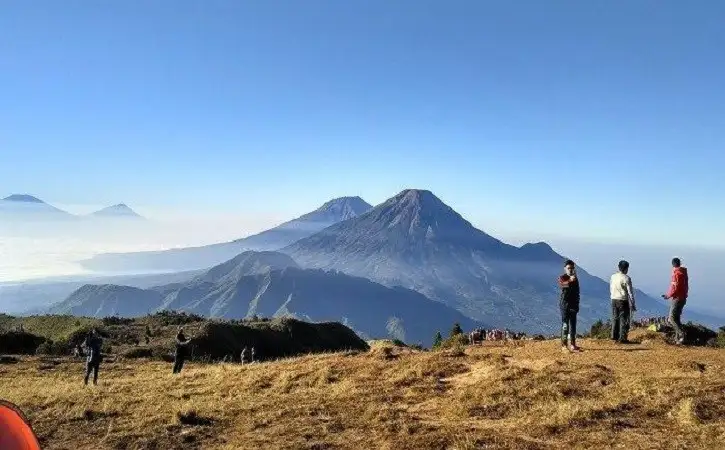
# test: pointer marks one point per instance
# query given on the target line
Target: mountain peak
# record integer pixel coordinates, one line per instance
(118, 210)
(540, 251)
(420, 213)
(333, 211)
(23, 198)
(420, 198)
(345, 207)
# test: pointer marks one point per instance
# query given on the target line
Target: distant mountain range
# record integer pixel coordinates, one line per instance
(407, 267)
(25, 207)
(270, 284)
(195, 258)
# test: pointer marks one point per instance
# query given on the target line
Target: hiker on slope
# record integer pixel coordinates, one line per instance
(622, 296)
(182, 350)
(93, 346)
(679, 287)
(569, 306)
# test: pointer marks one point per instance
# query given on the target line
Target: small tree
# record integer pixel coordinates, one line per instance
(456, 330)
(437, 340)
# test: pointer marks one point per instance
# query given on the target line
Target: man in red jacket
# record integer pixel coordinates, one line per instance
(679, 288)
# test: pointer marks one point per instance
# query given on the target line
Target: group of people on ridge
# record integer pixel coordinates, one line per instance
(623, 302)
(94, 342)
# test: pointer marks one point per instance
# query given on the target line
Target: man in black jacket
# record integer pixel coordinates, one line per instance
(569, 306)
(93, 345)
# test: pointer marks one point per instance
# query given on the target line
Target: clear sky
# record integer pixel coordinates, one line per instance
(596, 120)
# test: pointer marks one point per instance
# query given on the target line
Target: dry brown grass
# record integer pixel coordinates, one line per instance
(526, 397)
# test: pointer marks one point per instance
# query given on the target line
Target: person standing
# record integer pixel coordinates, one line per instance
(569, 306)
(623, 303)
(677, 293)
(93, 345)
(182, 350)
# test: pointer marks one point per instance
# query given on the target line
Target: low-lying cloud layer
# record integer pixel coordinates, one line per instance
(52, 249)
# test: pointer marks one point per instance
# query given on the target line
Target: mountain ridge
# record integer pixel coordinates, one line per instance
(203, 257)
(270, 284)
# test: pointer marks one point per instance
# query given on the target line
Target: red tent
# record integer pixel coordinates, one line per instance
(15, 431)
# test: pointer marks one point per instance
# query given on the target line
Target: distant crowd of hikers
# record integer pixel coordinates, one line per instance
(657, 322)
(623, 302)
(482, 334)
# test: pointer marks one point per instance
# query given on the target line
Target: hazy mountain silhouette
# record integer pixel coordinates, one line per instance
(35, 296)
(22, 198)
(120, 210)
(193, 258)
(416, 241)
(270, 284)
(109, 300)
(25, 207)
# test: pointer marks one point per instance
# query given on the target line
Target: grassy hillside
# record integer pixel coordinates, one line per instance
(52, 327)
(528, 396)
(153, 336)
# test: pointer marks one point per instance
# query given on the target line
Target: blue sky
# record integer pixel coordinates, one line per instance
(594, 120)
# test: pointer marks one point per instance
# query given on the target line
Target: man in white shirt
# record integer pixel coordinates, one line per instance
(622, 295)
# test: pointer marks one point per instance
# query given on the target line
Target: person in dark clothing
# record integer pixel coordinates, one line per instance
(623, 303)
(678, 291)
(182, 350)
(93, 345)
(569, 306)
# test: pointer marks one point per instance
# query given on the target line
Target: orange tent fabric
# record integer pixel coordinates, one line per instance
(15, 431)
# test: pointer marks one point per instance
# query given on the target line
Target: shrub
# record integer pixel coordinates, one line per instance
(456, 341)
(168, 318)
(273, 339)
(115, 320)
(54, 348)
(139, 353)
(456, 330)
(601, 330)
(19, 342)
(437, 340)
(697, 334)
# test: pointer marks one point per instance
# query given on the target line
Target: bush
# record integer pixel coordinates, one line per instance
(437, 340)
(719, 340)
(115, 320)
(273, 339)
(168, 318)
(57, 348)
(456, 330)
(697, 334)
(139, 353)
(457, 341)
(19, 342)
(601, 330)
